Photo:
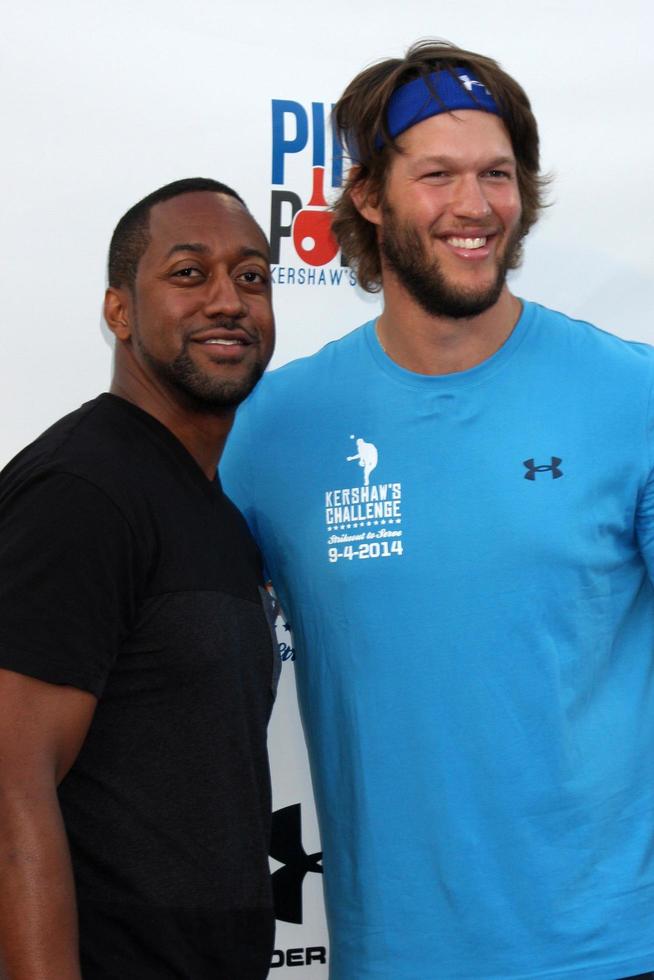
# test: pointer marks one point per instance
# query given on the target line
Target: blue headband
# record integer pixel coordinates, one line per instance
(413, 102)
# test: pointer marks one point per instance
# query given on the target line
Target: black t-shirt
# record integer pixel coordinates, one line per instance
(125, 572)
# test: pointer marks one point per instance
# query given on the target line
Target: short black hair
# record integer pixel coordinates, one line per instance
(131, 235)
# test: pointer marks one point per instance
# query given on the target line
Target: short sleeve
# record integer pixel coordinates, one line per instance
(67, 581)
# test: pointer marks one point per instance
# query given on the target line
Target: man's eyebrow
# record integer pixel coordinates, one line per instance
(433, 159)
(250, 252)
(187, 247)
(503, 162)
(201, 249)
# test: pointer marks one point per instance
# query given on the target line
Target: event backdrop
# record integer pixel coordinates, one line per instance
(105, 101)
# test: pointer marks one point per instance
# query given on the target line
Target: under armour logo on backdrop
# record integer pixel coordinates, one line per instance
(286, 847)
(532, 469)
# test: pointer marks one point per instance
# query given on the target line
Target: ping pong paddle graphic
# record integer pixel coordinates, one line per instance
(312, 226)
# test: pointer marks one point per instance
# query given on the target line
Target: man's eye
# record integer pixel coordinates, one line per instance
(188, 272)
(499, 174)
(253, 276)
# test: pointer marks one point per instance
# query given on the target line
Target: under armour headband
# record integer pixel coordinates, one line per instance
(413, 102)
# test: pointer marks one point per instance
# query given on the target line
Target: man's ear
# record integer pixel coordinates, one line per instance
(117, 312)
(366, 201)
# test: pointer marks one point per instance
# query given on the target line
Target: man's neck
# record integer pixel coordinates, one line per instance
(203, 435)
(429, 344)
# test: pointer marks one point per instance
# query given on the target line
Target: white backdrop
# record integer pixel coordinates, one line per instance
(105, 100)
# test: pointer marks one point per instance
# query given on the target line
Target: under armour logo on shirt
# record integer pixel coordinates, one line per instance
(532, 469)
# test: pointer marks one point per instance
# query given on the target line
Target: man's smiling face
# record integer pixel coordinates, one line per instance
(200, 310)
(449, 218)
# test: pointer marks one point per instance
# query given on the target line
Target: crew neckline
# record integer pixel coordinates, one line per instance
(458, 379)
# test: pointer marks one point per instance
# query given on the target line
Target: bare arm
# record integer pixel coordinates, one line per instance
(42, 728)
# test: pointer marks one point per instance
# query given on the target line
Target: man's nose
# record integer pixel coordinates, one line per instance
(223, 297)
(470, 198)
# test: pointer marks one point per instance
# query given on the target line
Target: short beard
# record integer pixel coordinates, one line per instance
(201, 394)
(423, 278)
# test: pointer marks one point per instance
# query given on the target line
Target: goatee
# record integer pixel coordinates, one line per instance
(198, 391)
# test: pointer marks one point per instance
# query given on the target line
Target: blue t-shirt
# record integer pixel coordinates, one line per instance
(464, 561)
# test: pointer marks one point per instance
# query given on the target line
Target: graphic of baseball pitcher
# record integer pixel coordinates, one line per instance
(367, 456)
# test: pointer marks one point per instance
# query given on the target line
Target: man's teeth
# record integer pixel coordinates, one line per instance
(467, 242)
(221, 340)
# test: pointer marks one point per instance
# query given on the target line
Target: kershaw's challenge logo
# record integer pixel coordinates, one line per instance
(301, 234)
(370, 515)
(367, 456)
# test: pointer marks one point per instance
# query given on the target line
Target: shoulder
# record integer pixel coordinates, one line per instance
(98, 449)
(284, 409)
(582, 343)
(300, 382)
(64, 448)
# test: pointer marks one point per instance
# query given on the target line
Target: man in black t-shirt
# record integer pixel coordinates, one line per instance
(137, 668)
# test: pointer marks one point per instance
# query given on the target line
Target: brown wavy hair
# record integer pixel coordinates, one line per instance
(360, 116)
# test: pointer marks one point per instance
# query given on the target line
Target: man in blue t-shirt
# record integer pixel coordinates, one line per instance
(456, 507)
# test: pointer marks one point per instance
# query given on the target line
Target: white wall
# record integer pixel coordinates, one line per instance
(105, 101)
